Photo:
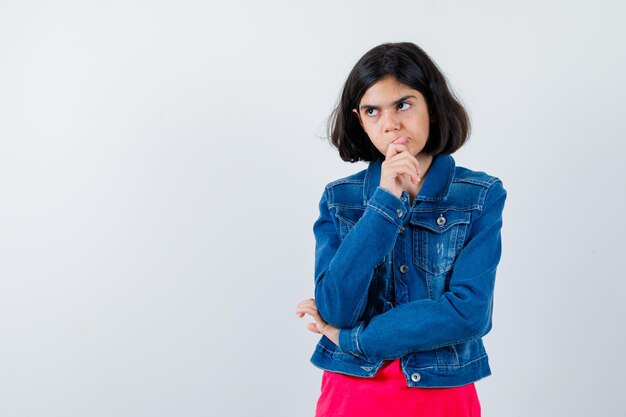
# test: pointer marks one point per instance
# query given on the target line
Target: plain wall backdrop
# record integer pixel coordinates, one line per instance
(161, 164)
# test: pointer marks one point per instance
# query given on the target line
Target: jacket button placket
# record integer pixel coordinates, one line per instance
(400, 263)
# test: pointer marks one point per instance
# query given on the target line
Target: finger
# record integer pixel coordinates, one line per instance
(313, 327)
(310, 311)
(305, 303)
(307, 300)
(407, 160)
(299, 307)
(394, 149)
(402, 169)
(404, 155)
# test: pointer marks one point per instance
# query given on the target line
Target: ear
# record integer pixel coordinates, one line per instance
(358, 116)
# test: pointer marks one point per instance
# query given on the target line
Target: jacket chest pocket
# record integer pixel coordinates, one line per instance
(346, 219)
(438, 238)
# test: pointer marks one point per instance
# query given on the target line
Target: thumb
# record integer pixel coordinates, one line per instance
(313, 327)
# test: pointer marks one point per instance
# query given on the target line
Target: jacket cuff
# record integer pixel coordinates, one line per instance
(388, 205)
(349, 341)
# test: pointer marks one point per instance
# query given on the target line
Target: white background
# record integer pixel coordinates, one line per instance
(160, 169)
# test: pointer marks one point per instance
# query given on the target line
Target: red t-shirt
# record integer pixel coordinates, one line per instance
(387, 394)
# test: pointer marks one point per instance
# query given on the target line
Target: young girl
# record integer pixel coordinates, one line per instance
(406, 250)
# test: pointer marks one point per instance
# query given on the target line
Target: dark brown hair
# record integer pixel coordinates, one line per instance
(410, 65)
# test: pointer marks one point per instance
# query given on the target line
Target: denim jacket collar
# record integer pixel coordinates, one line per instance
(436, 184)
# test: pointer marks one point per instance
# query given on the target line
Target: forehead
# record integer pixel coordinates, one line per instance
(386, 91)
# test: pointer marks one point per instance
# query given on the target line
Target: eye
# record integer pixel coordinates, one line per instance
(405, 105)
(371, 111)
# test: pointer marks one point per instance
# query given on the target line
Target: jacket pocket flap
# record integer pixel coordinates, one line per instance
(350, 216)
(440, 222)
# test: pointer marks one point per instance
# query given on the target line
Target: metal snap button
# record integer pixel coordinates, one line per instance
(404, 269)
(415, 377)
(400, 213)
(441, 221)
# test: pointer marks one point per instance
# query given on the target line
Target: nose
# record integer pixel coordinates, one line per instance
(390, 120)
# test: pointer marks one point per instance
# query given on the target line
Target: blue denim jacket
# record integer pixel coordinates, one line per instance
(410, 281)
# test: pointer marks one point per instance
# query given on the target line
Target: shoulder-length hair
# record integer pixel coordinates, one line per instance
(410, 65)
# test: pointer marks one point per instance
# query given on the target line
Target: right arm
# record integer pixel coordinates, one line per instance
(344, 269)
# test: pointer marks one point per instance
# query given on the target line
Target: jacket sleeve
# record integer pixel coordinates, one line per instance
(461, 314)
(344, 269)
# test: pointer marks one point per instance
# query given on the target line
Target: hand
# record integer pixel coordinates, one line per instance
(399, 168)
(320, 326)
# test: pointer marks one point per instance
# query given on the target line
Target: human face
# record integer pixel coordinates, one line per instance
(390, 111)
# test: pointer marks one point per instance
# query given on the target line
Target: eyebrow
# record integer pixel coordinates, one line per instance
(398, 101)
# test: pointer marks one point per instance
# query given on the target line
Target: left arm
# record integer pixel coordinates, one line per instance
(461, 314)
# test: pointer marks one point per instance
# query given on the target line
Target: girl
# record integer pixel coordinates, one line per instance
(406, 250)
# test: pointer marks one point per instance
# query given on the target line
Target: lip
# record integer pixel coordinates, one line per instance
(406, 139)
